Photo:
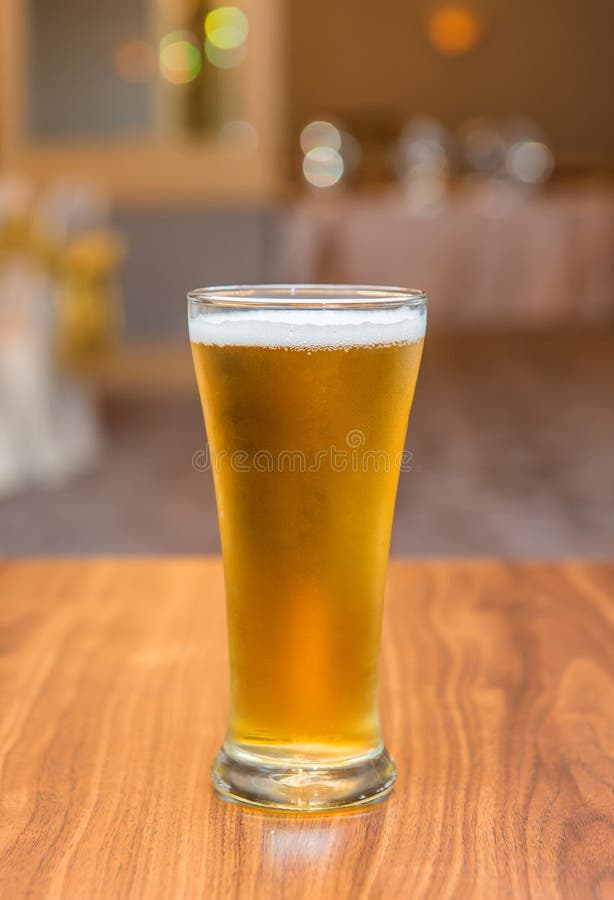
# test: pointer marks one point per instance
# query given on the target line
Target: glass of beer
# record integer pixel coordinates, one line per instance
(306, 392)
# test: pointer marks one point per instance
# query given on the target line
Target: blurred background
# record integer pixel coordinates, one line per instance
(152, 146)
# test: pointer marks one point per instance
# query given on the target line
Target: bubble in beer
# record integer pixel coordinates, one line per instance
(308, 329)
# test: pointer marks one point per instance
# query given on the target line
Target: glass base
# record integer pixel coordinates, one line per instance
(294, 785)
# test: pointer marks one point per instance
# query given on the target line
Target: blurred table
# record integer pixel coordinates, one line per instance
(498, 705)
(488, 255)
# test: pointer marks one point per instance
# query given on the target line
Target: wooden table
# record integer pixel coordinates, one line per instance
(498, 705)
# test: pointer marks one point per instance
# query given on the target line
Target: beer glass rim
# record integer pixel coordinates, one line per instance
(307, 296)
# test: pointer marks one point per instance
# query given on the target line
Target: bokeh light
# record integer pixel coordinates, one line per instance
(425, 157)
(329, 153)
(180, 57)
(135, 61)
(423, 149)
(320, 134)
(239, 136)
(531, 162)
(226, 27)
(483, 145)
(225, 59)
(323, 167)
(454, 29)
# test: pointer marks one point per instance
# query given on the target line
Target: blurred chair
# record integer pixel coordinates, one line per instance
(48, 424)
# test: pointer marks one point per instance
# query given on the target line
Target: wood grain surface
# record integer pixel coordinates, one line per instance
(498, 705)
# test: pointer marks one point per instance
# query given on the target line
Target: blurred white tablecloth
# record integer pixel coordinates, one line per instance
(488, 256)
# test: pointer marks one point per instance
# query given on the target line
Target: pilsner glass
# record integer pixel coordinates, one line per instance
(306, 393)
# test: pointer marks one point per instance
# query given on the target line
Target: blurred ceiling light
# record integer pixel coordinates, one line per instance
(225, 59)
(425, 156)
(135, 61)
(226, 27)
(454, 29)
(423, 149)
(323, 167)
(529, 161)
(180, 58)
(320, 134)
(238, 135)
(483, 145)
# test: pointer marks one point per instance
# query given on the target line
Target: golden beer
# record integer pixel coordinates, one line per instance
(306, 442)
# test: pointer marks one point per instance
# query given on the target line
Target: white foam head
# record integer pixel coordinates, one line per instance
(307, 328)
